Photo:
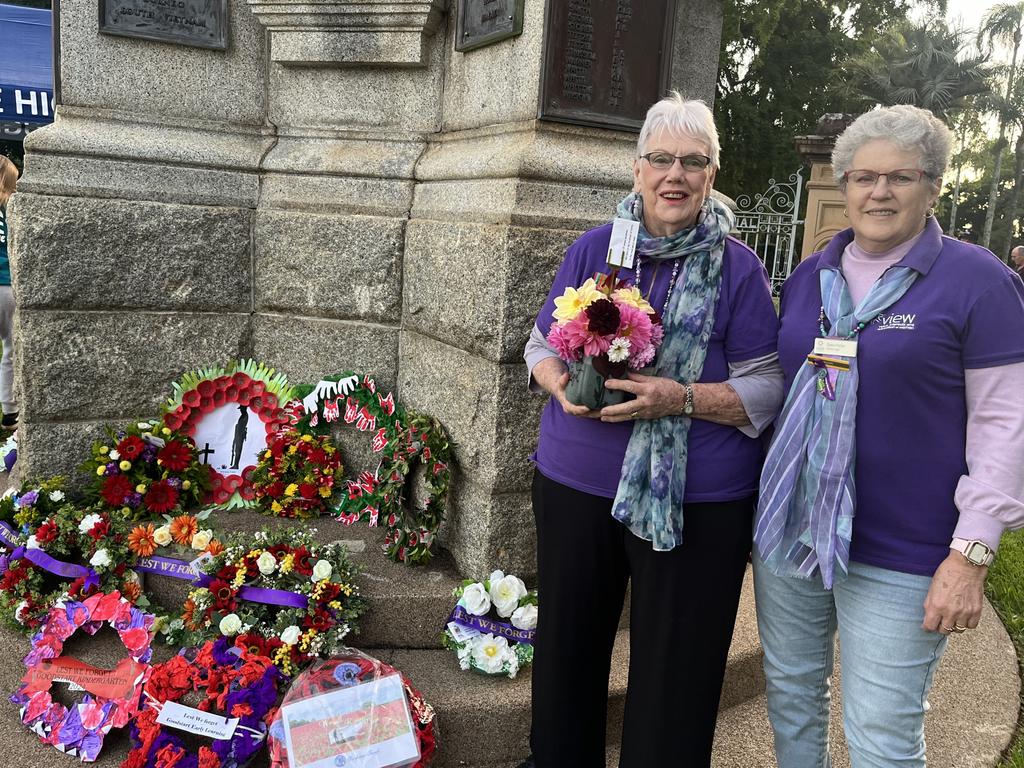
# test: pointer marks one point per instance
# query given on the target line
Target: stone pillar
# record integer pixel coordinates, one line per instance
(825, 204)
(338, 190)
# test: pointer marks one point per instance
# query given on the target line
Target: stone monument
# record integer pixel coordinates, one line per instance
(826, 208)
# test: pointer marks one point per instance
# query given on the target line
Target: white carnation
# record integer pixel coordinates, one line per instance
(100, 559)
(32, 542)
(230, 624)
(88, 522)
(56, 495)
(291, 635)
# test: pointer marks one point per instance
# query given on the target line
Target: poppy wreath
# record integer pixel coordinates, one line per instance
(145, 470)
(298, 475)
(32, 503)
(112, 697)
(345, 671)
(278, 593)
(87, 548)
(231, 681)
(248, 384)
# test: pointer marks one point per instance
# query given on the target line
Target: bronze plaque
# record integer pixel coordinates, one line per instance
(482, 22)
(606, 61)
(201, 23)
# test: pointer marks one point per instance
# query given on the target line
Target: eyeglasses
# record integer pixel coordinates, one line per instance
(662, 161)
(903, 177)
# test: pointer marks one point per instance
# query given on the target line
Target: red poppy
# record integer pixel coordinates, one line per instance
(46, 532)
(175, 456)
(321, 621)
(131, 447)
(252, 642)
(329, 592)
(223, 595)
(115, 489)
(278, 550)
(161, 497)
(303, 565)
(208, 758)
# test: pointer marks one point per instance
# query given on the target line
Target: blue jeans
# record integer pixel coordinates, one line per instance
(888, 664)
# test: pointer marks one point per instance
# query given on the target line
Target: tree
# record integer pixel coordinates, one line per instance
(1003, 24)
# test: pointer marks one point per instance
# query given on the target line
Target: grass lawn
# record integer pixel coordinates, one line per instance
(1005, 589)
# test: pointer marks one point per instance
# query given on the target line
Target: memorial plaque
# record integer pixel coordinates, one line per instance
(606, 61)
(201, 23)
(482, 22)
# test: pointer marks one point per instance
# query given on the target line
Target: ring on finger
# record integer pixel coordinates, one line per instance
(958, 629)
(947, 630)
(634, 414)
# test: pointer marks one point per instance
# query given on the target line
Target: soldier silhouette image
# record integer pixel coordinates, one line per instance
(241, 429)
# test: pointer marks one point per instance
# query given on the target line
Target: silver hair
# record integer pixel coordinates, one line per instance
(681, 117)
(910, 128)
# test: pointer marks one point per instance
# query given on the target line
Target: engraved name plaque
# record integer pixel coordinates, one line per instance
(606, 61)
(201, 23)
(483, 22)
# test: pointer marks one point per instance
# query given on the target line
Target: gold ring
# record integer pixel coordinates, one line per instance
(634, 414)
(958, 629)
(947, 630)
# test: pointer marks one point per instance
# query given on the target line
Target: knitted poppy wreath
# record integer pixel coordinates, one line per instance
(230, 680)
(345, 671)
(112, 696)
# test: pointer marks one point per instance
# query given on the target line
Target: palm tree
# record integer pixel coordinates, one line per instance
(1003, 24)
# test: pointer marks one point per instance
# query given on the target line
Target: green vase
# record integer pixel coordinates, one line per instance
(586, 386)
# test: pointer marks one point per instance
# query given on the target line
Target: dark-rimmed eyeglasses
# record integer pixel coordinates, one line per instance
(662, 161)
(902, 177)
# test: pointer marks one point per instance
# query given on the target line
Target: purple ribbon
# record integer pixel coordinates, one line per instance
(461, 616)
(38, 557)
(8, 535)
(179, 569)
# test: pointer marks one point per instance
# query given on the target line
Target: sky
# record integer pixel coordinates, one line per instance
(968, 11)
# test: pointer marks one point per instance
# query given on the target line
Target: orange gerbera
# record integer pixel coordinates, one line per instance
(141, 540)
(183, 528)
(188, 613)
(131, 591)
(215, 548)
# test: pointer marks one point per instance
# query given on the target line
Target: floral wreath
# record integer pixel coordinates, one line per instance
(145, 470)
(238, 683)
(343, 671)
(400, 437)
(181, 536)
(29, 586)
(278, 593)
(79, 730)
(32, 503)
(247, 383)
(296, 475)
(491, 628)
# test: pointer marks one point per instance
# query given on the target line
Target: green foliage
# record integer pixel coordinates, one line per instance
(1005, 588)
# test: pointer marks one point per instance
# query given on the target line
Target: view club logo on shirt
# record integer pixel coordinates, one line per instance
(895, 322)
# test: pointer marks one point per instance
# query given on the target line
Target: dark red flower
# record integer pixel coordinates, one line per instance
(115, 489)
(174, 456)
(161, 497)
(227, 573)
(223, 595)
(303, 565)
(99, 530)
(46, 532)
(603, 316)
(252, 642)
(131, 447)
(321, 621)
(278, 550)
(275, 490)
(307, 490)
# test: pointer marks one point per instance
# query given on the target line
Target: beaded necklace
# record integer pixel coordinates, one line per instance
(671, 281)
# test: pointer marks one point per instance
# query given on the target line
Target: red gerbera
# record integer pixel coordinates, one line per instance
(302, 561)
(115, 489)
(223, 595)
(161, 497)
(252, 642)
(174, 456)
(131, 447)
(46, 532)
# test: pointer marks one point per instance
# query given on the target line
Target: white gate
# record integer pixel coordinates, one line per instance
(768, 223)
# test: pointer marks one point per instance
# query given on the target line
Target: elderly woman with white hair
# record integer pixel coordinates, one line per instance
(658, 490)
(897, 461)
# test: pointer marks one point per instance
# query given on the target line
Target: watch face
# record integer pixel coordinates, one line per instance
(977, 553)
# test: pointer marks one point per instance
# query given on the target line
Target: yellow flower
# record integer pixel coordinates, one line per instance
(291, 490)
(267, 454)
(100, 470)
(166, 431)
(335, 605)
(633, 298)
(104, 449)
(126, 511)
(287, 563)
(125, 465)
(325, 491)
(276, 507)
(140, 488)
(185, 485)
(239, 579)
(575, 300)
(307, 438)
(293, 449)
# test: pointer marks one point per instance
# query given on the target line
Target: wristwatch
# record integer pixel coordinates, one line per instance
(688, 402)
(977, 552)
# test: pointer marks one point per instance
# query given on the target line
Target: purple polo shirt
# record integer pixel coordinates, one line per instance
(966, 310)
(724, 464)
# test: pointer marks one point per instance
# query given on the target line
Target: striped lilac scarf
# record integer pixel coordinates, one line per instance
(805, 512)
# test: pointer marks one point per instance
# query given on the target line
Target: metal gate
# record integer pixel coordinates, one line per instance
(768, 223)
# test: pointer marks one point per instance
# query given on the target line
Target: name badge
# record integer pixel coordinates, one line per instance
(622, 247)
(833, 346)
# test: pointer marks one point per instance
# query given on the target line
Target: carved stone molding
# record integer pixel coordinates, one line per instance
(344, 33)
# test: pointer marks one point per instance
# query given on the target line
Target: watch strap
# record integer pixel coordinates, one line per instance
(977, 552)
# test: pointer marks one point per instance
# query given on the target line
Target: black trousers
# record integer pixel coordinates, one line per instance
(683, 609)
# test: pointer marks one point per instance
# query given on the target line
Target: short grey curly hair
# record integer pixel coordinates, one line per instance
(681, 117)
(909, 128)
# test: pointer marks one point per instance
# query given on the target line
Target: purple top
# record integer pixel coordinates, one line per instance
(966, 311)
(586, 454)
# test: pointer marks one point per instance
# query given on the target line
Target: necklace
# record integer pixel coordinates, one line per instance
(828, 368)
(821, 325)
(650, 288)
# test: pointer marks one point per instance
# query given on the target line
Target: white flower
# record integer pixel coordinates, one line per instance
(322, 570)
(490, 653)
(525, 617)
(475, 598)
(56, 495)
(162, 535)
(115, 455)
(618, 352)
(291, 635)
(32, 542)
(101, 559)
(88, 522)
(267, 563)
(20, 610)
(230, 624)
(8, 492)
(201, 539)
(505, 594)
(144, 425)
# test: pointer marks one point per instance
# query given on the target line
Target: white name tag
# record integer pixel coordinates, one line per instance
(833, 346)
(197, 564)
(622, 247)
(461, 633)
(196, 721)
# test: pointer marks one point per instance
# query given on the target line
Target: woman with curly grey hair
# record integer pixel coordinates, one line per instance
(896, 462)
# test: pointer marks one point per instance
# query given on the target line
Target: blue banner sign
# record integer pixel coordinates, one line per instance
(25, 105)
